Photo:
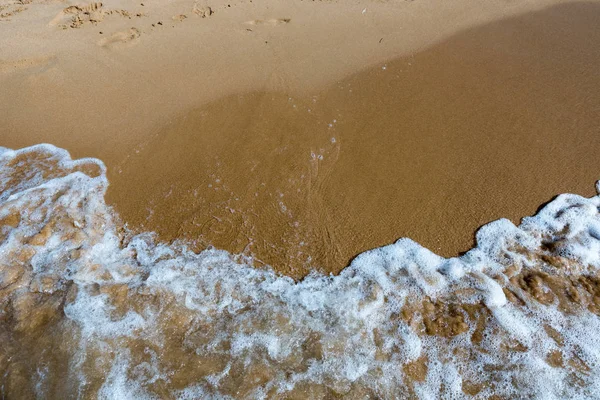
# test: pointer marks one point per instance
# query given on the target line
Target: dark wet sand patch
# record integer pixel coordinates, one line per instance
(488, 124)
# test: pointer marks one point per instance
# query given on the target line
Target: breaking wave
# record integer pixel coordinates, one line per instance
(88, 309)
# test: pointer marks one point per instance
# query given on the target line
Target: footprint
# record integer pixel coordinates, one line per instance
(11, 11)
(269, 22)
(179, 17)
(130, 36)
(25, 63)
(202, 11)
(77, 16)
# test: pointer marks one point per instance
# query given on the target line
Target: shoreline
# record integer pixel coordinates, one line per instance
(429, 147)
(219, 212)
(311, 178)
(525, 299)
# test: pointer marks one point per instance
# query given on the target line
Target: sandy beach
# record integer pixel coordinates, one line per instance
(303, 134)
(298, 135)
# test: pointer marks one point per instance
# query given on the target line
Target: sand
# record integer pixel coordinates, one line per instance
(303, 133)
(88, 313)
(299, 134)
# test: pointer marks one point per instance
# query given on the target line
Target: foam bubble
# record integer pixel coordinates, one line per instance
(100, 312)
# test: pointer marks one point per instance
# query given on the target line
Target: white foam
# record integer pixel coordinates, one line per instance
(343, 334)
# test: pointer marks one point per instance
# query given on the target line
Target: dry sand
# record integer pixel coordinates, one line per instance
(303, 133)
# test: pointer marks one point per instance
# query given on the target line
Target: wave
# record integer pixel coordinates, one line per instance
(88, 309)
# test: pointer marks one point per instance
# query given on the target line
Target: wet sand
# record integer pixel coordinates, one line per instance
(490, 123)
(236, 129)
(226, 140)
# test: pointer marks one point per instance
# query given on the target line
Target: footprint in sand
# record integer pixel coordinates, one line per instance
(25, 63)
(269, 22)
(76, 16)
(202, 11)
(7, 11)
(129, 36)
(93, 13)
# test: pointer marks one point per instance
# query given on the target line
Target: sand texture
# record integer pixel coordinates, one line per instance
(303, 133)
(223, 137)
(89, 311)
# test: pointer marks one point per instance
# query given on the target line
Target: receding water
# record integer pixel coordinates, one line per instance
(89, 310)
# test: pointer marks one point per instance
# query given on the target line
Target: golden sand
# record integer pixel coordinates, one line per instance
(250, 129)
(488, 124)
(300, 134)
(88, 312)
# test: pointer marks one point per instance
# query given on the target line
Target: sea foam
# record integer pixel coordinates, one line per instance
(88, 309)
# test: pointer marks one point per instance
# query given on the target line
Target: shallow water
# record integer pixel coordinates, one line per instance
(89, 310)
(485, 125)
